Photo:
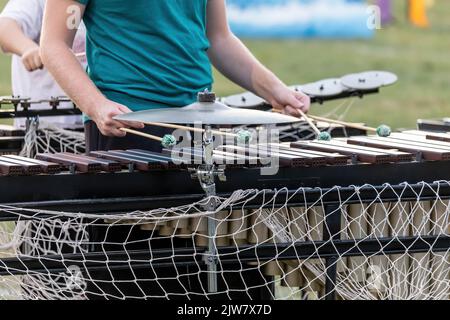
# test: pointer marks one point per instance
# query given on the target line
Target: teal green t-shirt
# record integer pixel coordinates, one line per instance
(148, 53)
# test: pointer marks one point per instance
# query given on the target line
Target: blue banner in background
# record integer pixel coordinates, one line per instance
(299, 18)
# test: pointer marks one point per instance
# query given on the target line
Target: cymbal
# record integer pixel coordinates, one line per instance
(244, 100)
(251, 101)
(385, 77)
(207, 111)
(359, 81)
(324, 88)
(368, 80)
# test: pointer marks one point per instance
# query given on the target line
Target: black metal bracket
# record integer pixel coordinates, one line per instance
(118, 260)
(23, 108)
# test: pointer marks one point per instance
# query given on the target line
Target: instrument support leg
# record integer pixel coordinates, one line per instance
(211, 258)
(206, 174)
(206, 177)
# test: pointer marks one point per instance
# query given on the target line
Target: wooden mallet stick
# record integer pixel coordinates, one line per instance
(383, 130)
(325, 136)
(192, 129)
(310, 122)
(166, 141)
(142, 134)
(243, 136)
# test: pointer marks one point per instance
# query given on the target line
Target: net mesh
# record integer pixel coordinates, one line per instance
(271, 244)
(42, 137)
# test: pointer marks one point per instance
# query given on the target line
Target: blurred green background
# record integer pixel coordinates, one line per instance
(420, 57)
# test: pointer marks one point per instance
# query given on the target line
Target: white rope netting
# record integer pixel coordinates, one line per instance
(270, 245)
(41, 137)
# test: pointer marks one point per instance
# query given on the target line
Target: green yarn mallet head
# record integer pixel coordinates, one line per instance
(244, 137)
(324, 136)
(168, 141)
(384, 131)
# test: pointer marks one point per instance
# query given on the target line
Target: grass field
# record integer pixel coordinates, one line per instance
(419, 57)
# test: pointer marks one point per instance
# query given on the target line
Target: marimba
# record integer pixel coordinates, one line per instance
(124, 180)
(400, 148)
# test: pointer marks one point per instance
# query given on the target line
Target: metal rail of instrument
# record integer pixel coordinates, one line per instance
(19, 107)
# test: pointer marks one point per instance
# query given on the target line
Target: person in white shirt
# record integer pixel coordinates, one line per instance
(20, 32)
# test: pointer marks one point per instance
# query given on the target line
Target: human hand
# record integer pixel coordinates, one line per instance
(289, 101)
(103, 115)
(31, 59)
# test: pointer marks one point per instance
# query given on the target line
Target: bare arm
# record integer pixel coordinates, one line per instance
(230, 56)
(56, 43)
(13, 40)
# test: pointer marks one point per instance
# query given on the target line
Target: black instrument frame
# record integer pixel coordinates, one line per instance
(110, 193)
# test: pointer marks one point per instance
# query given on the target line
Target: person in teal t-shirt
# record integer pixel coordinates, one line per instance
(146, 54)
(153, 54)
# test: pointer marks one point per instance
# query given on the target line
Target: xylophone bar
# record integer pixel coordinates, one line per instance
(418, 141)
(220, 157)
(368, 155)
(331, 158)
(10, 131)
(140, 163)
(151, 157)
(314, 158)
(106, 165)
(396, 155)
(434, 125)
(285, 159)
(428, 151)
(399, 148)
(445, 137)
(157, 156)
(10, 169)
(82, 165)
(11, 145)
(46, 167)
(28, 168)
